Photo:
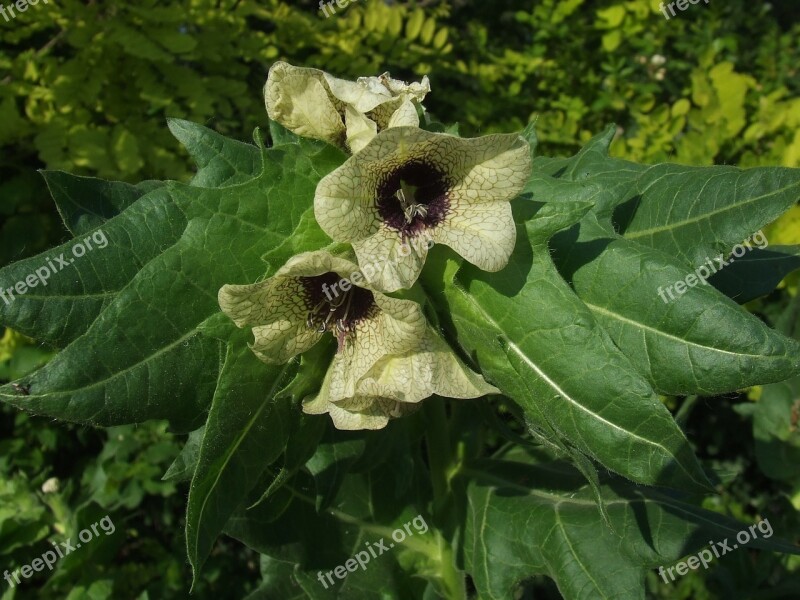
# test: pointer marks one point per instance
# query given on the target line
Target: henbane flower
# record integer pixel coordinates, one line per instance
(305, 299)
(409, 184)
(348, 114)
(387, 358)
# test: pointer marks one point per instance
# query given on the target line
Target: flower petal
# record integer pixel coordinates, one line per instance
(495, 168)
(388, 263)
(315, 104)
(431, 368)
(362, 98)
(484, 234)
(396, 385)
(274, 310)
(360, 129)
(406, 115)
(368, 93)
(310, 264)
(489, 169)
(298, 99)
(360, 412)
(417, 91)
(395, 329)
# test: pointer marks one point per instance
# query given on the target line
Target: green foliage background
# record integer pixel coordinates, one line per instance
(86, 87)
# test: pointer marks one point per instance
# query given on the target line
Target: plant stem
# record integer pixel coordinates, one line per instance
(452, 578)
(437, 438)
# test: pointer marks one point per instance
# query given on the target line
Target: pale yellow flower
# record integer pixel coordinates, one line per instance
(348, 114)
(388, 359)
(306, 299)
(409, 186)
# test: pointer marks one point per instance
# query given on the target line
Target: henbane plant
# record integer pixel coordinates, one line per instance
(504, 383)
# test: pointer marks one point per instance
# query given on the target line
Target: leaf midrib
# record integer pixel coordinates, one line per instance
(704, 216)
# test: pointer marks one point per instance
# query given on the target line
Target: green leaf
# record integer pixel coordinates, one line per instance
(146, 342)
(184, 465)
(691, 213)
(86, 203)
(277, 581)
(67, 298)
(697, 343)
(221, 161)
(683, 342)
(307, 434)
(757, 273)
(280, 135)
(696, 213)
(331, 463)
(610, 181)
(536, 341)
(247, 429)
(302, 542)
(528, 520)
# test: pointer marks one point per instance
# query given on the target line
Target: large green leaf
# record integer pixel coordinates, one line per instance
(144, 355)
(247, 429)
(691, 213)
(536, 341)
(696, 213)
(303, 545)
(526, 520)
(63, 304)
(221, 161)
(85, 203)
(697, 343)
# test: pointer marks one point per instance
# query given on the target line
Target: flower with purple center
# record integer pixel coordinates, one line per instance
(408, 185)
(387, 360)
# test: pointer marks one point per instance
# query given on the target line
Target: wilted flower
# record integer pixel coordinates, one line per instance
(396, 385)
(312, 103)
(409, 184)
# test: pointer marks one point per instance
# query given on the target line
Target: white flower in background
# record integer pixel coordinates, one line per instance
(51, 486)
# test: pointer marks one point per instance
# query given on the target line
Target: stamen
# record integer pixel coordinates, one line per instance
(327, 320)
(338, 314)
(413, 198)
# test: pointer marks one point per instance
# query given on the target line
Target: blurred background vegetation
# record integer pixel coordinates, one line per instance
(86, 87)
